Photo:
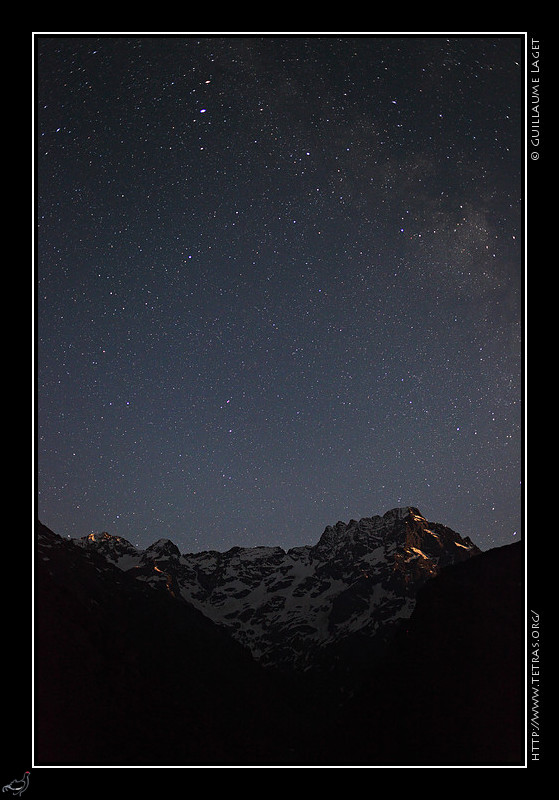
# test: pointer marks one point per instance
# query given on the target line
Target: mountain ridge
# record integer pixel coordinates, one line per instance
(129, 671)
(286, 606)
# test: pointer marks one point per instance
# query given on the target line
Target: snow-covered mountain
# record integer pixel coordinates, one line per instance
(288, 607)
(408, 650)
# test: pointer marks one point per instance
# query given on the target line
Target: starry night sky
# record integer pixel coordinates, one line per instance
(278, 284)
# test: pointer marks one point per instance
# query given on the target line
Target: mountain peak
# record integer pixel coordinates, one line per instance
(163, 547)
(106, 538)
(99, 537)
(341, 531)
(403, 512)
(114, 548)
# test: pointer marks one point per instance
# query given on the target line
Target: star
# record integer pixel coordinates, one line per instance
(278, 278)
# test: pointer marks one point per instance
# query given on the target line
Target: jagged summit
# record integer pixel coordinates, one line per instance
(375, 522)
(378, 521)
(402, 526)
(400, 513)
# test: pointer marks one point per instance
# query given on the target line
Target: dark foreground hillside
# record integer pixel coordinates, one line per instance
(451, 689)
(128, 675)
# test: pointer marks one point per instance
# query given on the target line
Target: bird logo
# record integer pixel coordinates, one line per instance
(17, 787)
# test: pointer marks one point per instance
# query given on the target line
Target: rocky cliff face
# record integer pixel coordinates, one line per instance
(286, 607)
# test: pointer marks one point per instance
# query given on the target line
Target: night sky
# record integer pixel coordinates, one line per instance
(278, 283)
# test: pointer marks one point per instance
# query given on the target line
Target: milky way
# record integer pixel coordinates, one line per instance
(278, 284)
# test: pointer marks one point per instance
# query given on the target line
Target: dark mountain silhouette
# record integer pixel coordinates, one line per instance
(128, 675)
(450, 689)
